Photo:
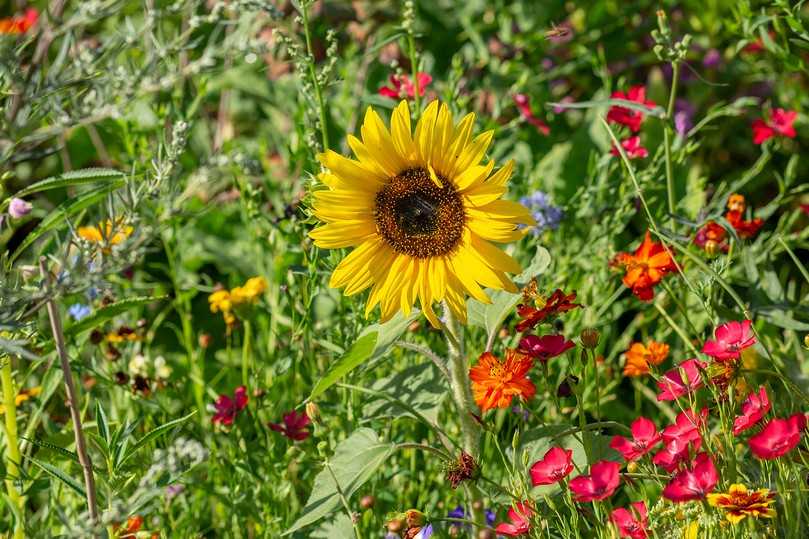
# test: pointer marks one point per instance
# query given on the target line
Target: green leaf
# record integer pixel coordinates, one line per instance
(420, 386)
(354, 462)
(107, 313)
(15, 348)
(101, 424)
(340, 526)
(67, 209)
(55, 472)
(656, 111)
(155, 433)
(74, 177)
(360, 351)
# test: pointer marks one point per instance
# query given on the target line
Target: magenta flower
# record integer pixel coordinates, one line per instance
(686, 427)
(519, 516)
(554, 466)
(599, 485)
(730, 339)
(546, 347)
(780, 124)
(695, 483)
(401, 86)
(522, 102)
(778, 437)
(632, 147)
(227, 408)
(18, 208)
(644, 438)
(673, 453)
(754, 407)
(294, 425)
(680, 380)
(632, 524)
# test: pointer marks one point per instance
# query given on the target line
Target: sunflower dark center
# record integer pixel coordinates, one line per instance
(417, 217)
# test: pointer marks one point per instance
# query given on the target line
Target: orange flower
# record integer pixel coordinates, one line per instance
(646, 267)
(735, 216)
(640, 356)
(739, 502)
(495, 383)
(20, 23)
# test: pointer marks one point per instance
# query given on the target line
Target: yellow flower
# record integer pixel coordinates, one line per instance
(106, 233)
(23, 396)
(220, 301)
(250, 292)
(225, 301)
(421, 211)
(122, 334)
(739, 502)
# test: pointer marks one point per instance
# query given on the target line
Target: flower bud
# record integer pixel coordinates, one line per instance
(632, 467)
(589, 337)
(396, 525)
(313, 411)
(486, 533)
(477, 505)
(18, 208)
(367, 502)
(415, 518)
(204, 340)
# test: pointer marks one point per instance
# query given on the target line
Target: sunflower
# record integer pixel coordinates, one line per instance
(421, 212)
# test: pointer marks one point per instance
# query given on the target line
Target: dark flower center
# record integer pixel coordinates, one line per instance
(417, 217)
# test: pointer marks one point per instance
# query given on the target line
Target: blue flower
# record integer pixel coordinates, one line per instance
(425, 533)
(79, 311)
(458, 512)
(546, 214)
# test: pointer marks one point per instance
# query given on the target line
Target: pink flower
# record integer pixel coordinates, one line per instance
(18, 208)
(629, 117)
(521, 100)
(402, 87)
(632, 148)
(780, 123)
(554, 466)
(294, 425)
(631, 524)
(778, 437)
(686, 427)
(227, 408)
(695, 483)
(731, 339)
(673, 453)
(599, 485)
(519, 516)
(680, 380)
(754, 407)
(546, 347)
(644, 438)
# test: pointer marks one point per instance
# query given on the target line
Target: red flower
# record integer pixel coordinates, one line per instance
(554, 466)
(521, 100)
(673, 453)
(599, 485)
(294, 426)
(686, 427)
(546, 347)
(518, 515)
(633, 523)
(754, 407)
(646, 267)
(227, 408)
(680, 380)
(629, 117)
(644, 438)
(778, 437)
(712, 237)
(557, 303)
(19, 24)
(730, 339)
(780, 123)
(632, 148)
(401, 86)
(805, 208)
(695, 483)
(745, 229)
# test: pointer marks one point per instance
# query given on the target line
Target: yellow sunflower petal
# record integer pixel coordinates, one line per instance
(400, 130)
(473, 176)
(352, 172)
(494, 256)
(484, 194)
(424, 132)
(342, 234)
(503, 210)
(502, 176)
(475, 151)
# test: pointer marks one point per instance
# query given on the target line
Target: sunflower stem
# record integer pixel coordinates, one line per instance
(12, 446)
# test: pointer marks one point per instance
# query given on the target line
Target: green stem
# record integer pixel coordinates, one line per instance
(310, 60)
(246, 353)
(667, 131)
(414, 72)
(13, 447)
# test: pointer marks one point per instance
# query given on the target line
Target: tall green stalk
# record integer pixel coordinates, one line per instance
(13, 458)
(310, 60)
(667, 133)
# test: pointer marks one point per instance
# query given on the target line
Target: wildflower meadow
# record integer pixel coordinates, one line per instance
(404, 269)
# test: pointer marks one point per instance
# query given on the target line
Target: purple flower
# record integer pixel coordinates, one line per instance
(712, 59)
(546, 214)
(78, 311)
(425, 533)
(174, 490)
(18, 208)
(459, 512)
(683, 116)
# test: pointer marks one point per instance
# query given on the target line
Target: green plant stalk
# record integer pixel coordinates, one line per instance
(344, 501)
(13, 458)
(414, 73)
(667, 130)
(310, 60)
(246, 353)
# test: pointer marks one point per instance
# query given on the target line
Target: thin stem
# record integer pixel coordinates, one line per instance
(344, 501)
(324, 131)
(246, 353)
(13, 458)
(414, 72)
(72, 398)
(667, 130)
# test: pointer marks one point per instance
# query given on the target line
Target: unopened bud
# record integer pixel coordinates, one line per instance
(415, 518)
(396, 525)
(477, 505)
(322, 448)
(589, 337)
(632, 467)
(204, 340)
(367, 502)
(313, 411)
(486, 533)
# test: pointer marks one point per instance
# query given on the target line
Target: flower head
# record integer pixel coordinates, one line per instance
(545, 347)
(712, 238)
(421, 211)
(553, 467)
(18, 208)
(599, 485)
(780, 123)
(519, 515)
(681, 380)
(625, 116)
(558, 302)
(523, 104)
(632, 148)
(79, 311)
(735, 216)
(227, 408)
(694, 483)
(495, 383)
(687, 427)
(778, 437)
(402, 87)
(644, 438)
(464, 468)
(640, 356)
(729, 340)
(294, 425)
(739, 503)
(19, 24)
(631, 523)
(672, 455)
(754, 407)
(646, 267)
(107, 234)
(546, 215)
(23, 395)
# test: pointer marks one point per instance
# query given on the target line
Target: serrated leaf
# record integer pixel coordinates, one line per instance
(354, 462)
(107, 313)
(74, 177)
(55, 472)
(153, 434)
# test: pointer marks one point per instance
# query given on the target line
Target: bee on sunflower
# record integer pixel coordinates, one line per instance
(421, 212)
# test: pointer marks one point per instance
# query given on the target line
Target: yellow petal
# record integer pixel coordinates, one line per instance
(483, 194)
(342, 234)
(424, 131)
(351, 172)
(400, 130)
(473, 176)
(502, 176)
(495, 257)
